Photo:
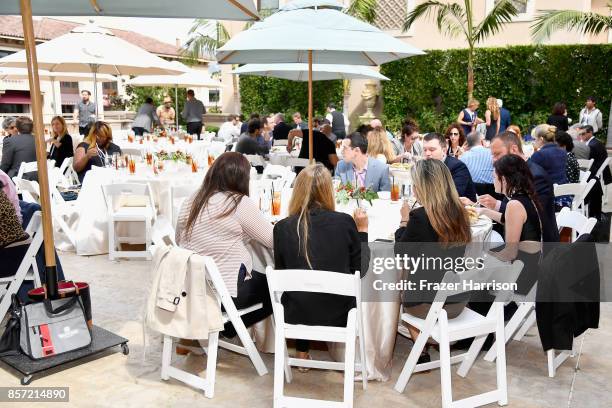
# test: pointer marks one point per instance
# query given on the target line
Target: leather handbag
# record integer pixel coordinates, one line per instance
(9, 342)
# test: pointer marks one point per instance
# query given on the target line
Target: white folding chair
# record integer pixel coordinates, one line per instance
(575, 220)
(599, 176)
(584, 176)
(294, 162)
(116, 213)
(280, 281)
(68, 171)
(585, 164)
(29, 189)
(468, 324)
(28, 269)
(578, 190)
(206, 384)
(178, 194)
(256, 160)
(280, 142)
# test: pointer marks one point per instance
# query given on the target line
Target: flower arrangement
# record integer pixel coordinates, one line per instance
(346, 191)
(174, 156)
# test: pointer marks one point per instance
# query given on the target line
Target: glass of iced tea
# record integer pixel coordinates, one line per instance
(130, 138)
(194, 166)
(132, 166)
(211, 160)
(149, 158)
(395, 191)
(276, 203)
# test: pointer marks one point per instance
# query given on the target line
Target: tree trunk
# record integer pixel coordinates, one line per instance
(346, 87)
(470, 74)
(237, 107)
(609, 139)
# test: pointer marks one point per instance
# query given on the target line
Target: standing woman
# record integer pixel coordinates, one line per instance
(559, 117)
(468, 117)
(95, 149)
(492, 118)
(61, 141)
(455, 139)
(316, 237)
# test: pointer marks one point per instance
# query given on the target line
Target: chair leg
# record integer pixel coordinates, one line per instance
(529, 322)
(362, 355)
(502, 385)
(148, 238)
(550, 354)
(111, 240)
(445, 362)
(514, 323)
(471, 356)
(166, 357)
(247, 343)
(413, 357)
(280, 360)
(349, 359)
(288, 374)
(211, 363)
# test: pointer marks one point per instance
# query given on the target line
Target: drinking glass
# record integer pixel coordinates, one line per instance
(395, 190)
(264, 201)
(276, 203)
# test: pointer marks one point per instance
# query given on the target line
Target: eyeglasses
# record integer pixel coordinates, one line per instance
(454, 134)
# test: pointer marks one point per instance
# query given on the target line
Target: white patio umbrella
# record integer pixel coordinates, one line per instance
(89, 48)
(316, 32)
(320, 72)
(190, 78)
(22, 73)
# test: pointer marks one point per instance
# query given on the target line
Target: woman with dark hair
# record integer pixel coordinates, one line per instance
(316, 237)
(95, 149)
(521, 218)
(455, 138)
(217, 221)
(572, 168)
(559, 117)
(412, 147)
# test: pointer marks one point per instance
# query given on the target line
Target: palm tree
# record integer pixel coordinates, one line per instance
(454, 20)
(550, 21)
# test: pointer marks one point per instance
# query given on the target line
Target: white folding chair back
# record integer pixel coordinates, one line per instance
(68, 171)
(584, 176)
(575, 220)
(30, 190)
(280, 142)
(599, 176)
(118, 213)
(294, 162)
(256, 160)
(280, 281)
(163, 232)
(233, 315)
(28, 268)
(578, 190)
(585, 164)
(178, 194)
(468, 324)
(27, 167)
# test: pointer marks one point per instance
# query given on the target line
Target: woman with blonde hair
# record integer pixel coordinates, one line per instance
(61, 141)
(379, 146)
(95, 149)
(468, 117)
(440, 227)
(492, 118)
(314, 236)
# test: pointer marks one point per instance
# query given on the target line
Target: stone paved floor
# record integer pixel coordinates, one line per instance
(125, 381)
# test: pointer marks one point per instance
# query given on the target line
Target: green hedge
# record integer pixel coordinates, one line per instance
(269, 95)
(432, 88)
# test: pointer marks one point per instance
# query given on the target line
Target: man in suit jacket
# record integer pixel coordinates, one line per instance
(597, 152)
(434, 146)
(358, 168)
(504, 117)
(18, 149)
(509, 143)
(281, 128)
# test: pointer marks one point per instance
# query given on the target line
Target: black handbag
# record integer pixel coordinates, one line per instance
(9, 342)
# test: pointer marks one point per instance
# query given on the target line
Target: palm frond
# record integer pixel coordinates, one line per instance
(554, 20)
(364, 10)
(424, 9)
(502, 13)
(450, 18)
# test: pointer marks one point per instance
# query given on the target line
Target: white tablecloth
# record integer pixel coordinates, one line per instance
(197, 149)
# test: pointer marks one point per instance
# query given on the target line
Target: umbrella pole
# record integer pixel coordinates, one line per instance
(176, 104)
(41, 151)
(94, 68)
(310, 154)
(54, 98)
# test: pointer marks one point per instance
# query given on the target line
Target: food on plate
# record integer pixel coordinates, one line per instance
(401, 166)
(472, 214)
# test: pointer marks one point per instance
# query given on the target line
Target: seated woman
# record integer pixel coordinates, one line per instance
(314, 236)
(61, 141)
(95, 149)
(572, 168)
(379, 146)
(13, 239)
(217, 221)
(411, 145)
(521, 218)
(439, 228)
(455, 138)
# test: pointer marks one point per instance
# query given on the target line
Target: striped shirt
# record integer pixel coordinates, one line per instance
(480, 164)
(224, 239)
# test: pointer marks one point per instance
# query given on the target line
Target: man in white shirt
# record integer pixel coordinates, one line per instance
(339, 121)
(590, 115)
(229, 130)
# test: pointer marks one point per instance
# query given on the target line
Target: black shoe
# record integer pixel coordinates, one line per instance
(424, 358)
(228, 331)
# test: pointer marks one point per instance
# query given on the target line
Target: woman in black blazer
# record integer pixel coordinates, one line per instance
(438, 229)
(327, 241)
(61, 141)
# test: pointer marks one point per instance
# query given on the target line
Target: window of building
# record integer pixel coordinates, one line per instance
(69, 87)
(268, 4)
(526, 8)
(214, 95)
(4, 53)
(391, 14)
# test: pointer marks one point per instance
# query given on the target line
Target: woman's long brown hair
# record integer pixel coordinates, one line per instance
(436, 191)
(230, 174)
(313, 188)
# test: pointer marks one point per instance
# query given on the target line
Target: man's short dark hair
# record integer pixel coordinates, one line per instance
(325, 122)
(592, 99)
(86, 91)
(364, 129)
(149, 100)
(231, 117)
(510, 139)
(254, 124)
(360, 141)
(254, 115)
(331, 106)
(24, 125)
(191, 93)
(586, 128)
(435, 136)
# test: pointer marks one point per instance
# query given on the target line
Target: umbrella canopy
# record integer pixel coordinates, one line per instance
(190, 78)
(211, 9)
(22, 73)
(320, 72)
(334, 38)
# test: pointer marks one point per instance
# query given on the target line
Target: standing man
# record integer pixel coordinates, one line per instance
(299, 123)
(504, 117)
(590, 115)
(599, 154)
(166, 113)
(192, 113)
(84, 113)
(337, 120)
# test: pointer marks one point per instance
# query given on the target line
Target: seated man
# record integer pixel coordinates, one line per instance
(281, 128)
(248, 144)
(18, 149)
(229, 129)
(358, 168)
(323, 149)
(434, 146)
(480, 164)
(326, 129)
